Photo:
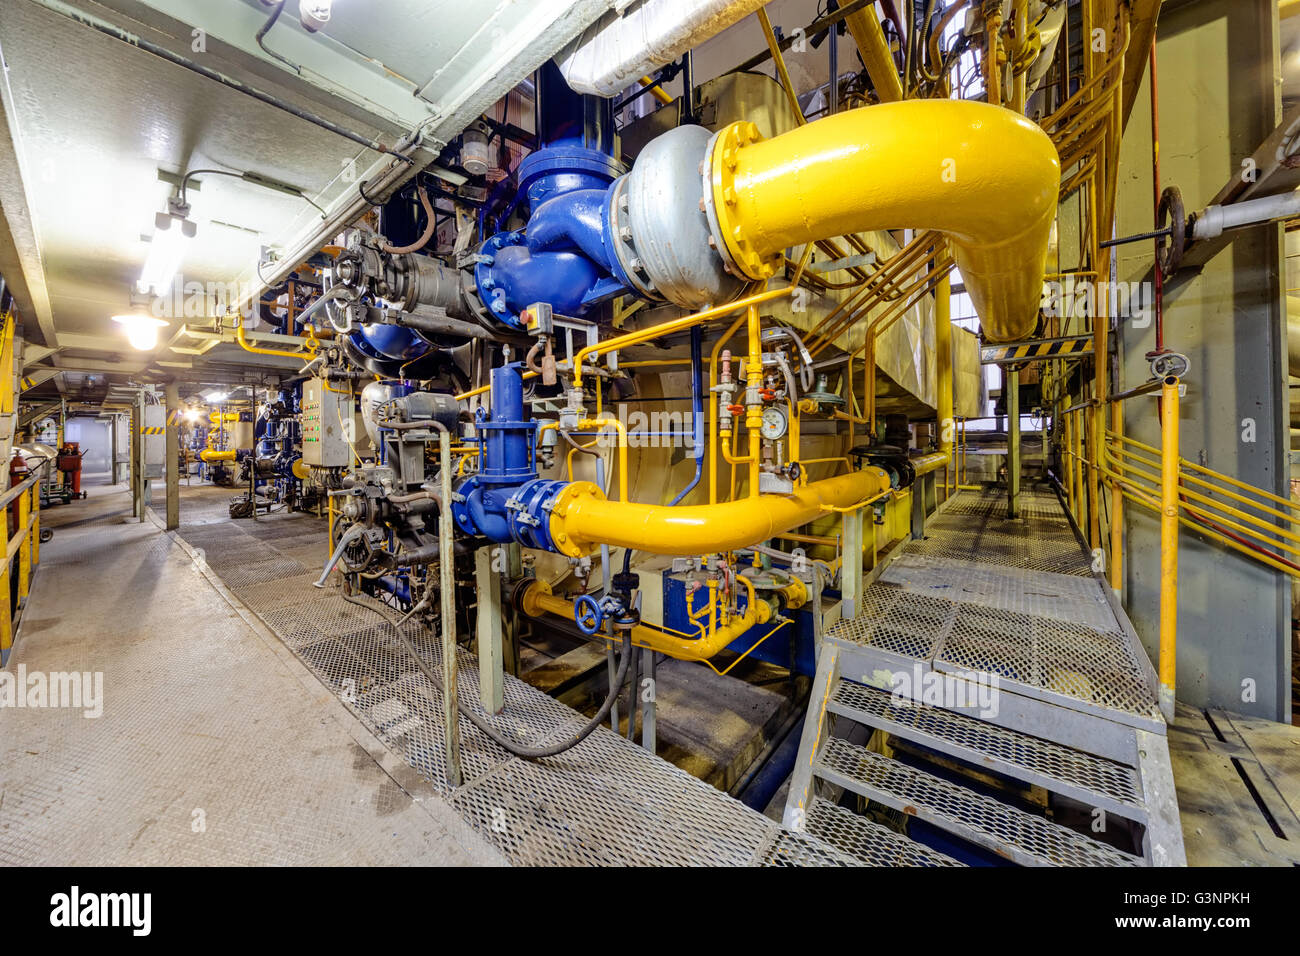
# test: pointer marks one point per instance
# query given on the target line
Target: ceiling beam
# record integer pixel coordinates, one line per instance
(1142, 33)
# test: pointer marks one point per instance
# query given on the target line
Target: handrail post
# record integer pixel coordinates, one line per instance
(36, 523)
(1168, 545)
(25, 548)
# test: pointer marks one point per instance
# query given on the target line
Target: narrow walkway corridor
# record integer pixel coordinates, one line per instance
(215, 746)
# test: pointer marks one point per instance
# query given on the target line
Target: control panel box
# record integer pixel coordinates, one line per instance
(153, 435)
(327, 426)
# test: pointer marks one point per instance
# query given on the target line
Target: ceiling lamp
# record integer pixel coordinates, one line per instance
(314, 14)
(171, 229)
(141, 330)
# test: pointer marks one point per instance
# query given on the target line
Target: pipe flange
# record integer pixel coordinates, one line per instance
(563, 542)
(630, 264)
(720, 198)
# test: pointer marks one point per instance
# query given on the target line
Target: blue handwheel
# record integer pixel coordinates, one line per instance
(587, 614)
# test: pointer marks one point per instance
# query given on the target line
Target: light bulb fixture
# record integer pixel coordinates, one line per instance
(166, 249)
(141, 330)
(191, 415)
(314, 14)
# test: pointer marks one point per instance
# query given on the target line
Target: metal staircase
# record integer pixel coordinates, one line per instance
(997, 664)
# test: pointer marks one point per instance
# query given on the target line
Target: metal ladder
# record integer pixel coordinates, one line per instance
(1139, 788)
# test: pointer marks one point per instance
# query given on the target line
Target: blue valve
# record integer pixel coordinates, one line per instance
(588, 614)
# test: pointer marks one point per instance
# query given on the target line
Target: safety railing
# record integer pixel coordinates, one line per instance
(1219, 508)
(23, 543)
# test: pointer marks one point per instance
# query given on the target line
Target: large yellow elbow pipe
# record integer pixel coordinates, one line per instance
(582, 519)
(984, 176)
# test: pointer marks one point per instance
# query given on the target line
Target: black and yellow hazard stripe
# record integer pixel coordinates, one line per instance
(153, 430)
(1036, 351)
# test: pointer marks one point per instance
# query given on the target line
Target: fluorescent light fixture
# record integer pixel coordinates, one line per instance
(166, 249)
(215, 396)
(141, 330)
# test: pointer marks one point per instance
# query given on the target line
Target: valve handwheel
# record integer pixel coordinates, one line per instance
(1171, 215)
(588, 615)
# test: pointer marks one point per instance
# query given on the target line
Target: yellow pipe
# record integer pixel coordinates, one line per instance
(864, 27)
(775, 49)
(581, 518)
(925, 464)
(753, 409)
(1169, 546)
(666, 328)
(658, 92)
(309, 343)
(598, 424)
(943, 368)
(210, 454)
(980, 174)
(538, 599)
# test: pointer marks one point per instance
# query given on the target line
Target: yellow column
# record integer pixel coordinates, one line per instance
(24, 549)
(753, 410)
(1168, 546)
(6, 621)
(1116, 566)
(943, 370)
(36, 525)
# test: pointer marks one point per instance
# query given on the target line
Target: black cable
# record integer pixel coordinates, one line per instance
(527, 753)
(260, 36)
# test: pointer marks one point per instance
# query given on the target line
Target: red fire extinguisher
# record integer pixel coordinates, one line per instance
(18, 472)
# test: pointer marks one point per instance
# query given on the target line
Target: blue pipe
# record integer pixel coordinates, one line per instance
(697, 411)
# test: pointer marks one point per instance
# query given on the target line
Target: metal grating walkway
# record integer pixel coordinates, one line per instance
(982, 593)
(605, 802)
(1023, 837)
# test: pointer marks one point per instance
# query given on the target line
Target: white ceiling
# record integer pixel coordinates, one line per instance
(88, 121)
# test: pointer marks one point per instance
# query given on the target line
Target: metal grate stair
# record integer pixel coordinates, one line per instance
(867, 841)
(1014, 664)
(1094, 781)
(1022, 837)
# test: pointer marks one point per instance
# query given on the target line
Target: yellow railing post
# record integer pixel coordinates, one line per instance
(25, 548)
(36, 524)
(1116, 558)
(1168, 545)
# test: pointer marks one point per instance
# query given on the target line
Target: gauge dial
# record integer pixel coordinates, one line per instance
(774, 423)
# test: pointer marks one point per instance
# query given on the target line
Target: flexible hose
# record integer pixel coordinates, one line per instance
(429, 228)
(526, 753)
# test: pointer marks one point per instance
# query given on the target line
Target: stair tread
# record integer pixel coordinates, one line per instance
(1058, 767)
(873, 844)
(1004, 829)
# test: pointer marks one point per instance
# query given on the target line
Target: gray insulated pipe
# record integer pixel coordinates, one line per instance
(664, 240)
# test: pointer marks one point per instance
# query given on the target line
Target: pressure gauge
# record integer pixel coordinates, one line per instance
(774, 422)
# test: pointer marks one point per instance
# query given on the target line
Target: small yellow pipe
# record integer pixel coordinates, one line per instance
(754, 410)
(538, 599)
(658, 92)
(310, 344)
(599, 424)
(666, 328)
(775, 49)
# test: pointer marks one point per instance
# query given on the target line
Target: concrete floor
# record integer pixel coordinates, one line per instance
(215, 745)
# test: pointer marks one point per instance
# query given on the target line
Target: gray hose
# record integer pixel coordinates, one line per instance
(526, 753)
